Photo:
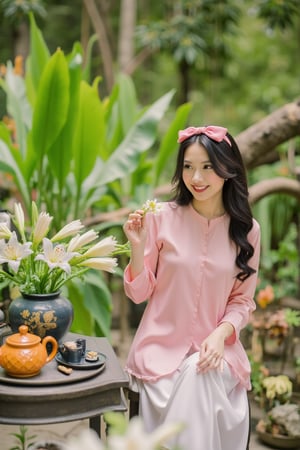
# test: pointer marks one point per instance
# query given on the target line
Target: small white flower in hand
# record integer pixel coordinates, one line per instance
(152, 206)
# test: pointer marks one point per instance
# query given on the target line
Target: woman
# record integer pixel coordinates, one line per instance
(196, 263)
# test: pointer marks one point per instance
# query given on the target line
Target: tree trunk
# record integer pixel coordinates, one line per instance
(274, 186)
(103, 42)
(184, 81)
(263, 137)
(21, 40)
(126, 33)
(85, 31)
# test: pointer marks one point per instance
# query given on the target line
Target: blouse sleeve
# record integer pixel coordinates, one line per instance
(240, 303)
(141, 287)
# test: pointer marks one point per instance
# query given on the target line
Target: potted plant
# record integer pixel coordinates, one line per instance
(281, 426)
(273, 333)
(297, 364)
(39, 266)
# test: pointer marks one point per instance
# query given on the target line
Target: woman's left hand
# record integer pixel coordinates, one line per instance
(212, 349)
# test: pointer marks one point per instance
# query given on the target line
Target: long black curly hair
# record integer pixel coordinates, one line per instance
(227, 162)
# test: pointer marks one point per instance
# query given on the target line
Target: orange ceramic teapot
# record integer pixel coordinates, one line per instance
(24, 354)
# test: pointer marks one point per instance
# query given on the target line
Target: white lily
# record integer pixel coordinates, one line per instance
(41, 227)
(108, 264)
(12, 252)
(86, 439)
(20, 219)
(5, 232)
(70, 229)
(71, 257)
(55, 256)
(102, 248)
(136, 438)
(79, 241)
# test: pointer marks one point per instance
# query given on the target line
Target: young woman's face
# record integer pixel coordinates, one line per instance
(199, 176)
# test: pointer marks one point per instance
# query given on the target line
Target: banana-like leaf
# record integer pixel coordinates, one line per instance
(86, 73)
(37, 60)
(61, 152)
(52, 104)
(127, 102)
(169, 142)
(114, 133)
(89, 134)
(140, 138)
(83, 321)
(9, 164)
(18, 106)
(96, 299)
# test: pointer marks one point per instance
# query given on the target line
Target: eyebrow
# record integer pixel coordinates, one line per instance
(202, 162)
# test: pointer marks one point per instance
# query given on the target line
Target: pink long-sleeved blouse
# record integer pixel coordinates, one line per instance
(189, 280)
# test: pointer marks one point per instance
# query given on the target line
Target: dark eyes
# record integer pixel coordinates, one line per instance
(205, 167)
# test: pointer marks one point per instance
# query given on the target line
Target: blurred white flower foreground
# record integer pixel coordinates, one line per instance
(133, 438)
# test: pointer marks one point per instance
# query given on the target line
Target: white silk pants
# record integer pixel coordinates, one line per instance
(213, 407)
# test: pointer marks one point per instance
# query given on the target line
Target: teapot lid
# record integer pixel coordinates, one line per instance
(23, 338)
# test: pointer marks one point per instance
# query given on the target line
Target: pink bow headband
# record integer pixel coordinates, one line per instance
(215, 133)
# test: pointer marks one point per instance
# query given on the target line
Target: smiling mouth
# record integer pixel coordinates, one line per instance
(200, 189)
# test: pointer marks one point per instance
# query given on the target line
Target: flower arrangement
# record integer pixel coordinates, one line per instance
(39, 264)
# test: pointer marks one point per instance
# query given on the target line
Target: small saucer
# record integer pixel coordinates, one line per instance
(83, 364)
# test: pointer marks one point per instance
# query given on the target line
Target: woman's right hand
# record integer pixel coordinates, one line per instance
(135, 228)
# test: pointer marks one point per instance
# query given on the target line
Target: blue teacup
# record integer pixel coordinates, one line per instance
(71, 351)
(82, 342)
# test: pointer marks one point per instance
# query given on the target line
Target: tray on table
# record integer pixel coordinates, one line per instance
(50, 375)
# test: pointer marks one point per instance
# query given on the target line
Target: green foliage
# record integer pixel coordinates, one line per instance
(292, 317)
(78, 154)
(280, 266)
(75, 144)
(258, 374)
(16, 10)
(117, 422)
(192, 30)
(279, 263)
(24, 441)
(278, 13)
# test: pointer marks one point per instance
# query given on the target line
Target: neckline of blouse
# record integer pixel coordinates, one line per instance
(205, 219)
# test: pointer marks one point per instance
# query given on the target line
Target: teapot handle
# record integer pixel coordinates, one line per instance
(54, 343)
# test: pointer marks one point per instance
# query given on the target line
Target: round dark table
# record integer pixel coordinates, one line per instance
(23, 404)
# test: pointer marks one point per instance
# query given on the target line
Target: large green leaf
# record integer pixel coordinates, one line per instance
(89, 134)
(169, 142)
(37, 60)
(91, 296)
(60, 153)
(83, 321)
(52, 104)
(140, 138)
(114, 133)
(9, 164)
(127, 102)
(86, 72)
(18, 106)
